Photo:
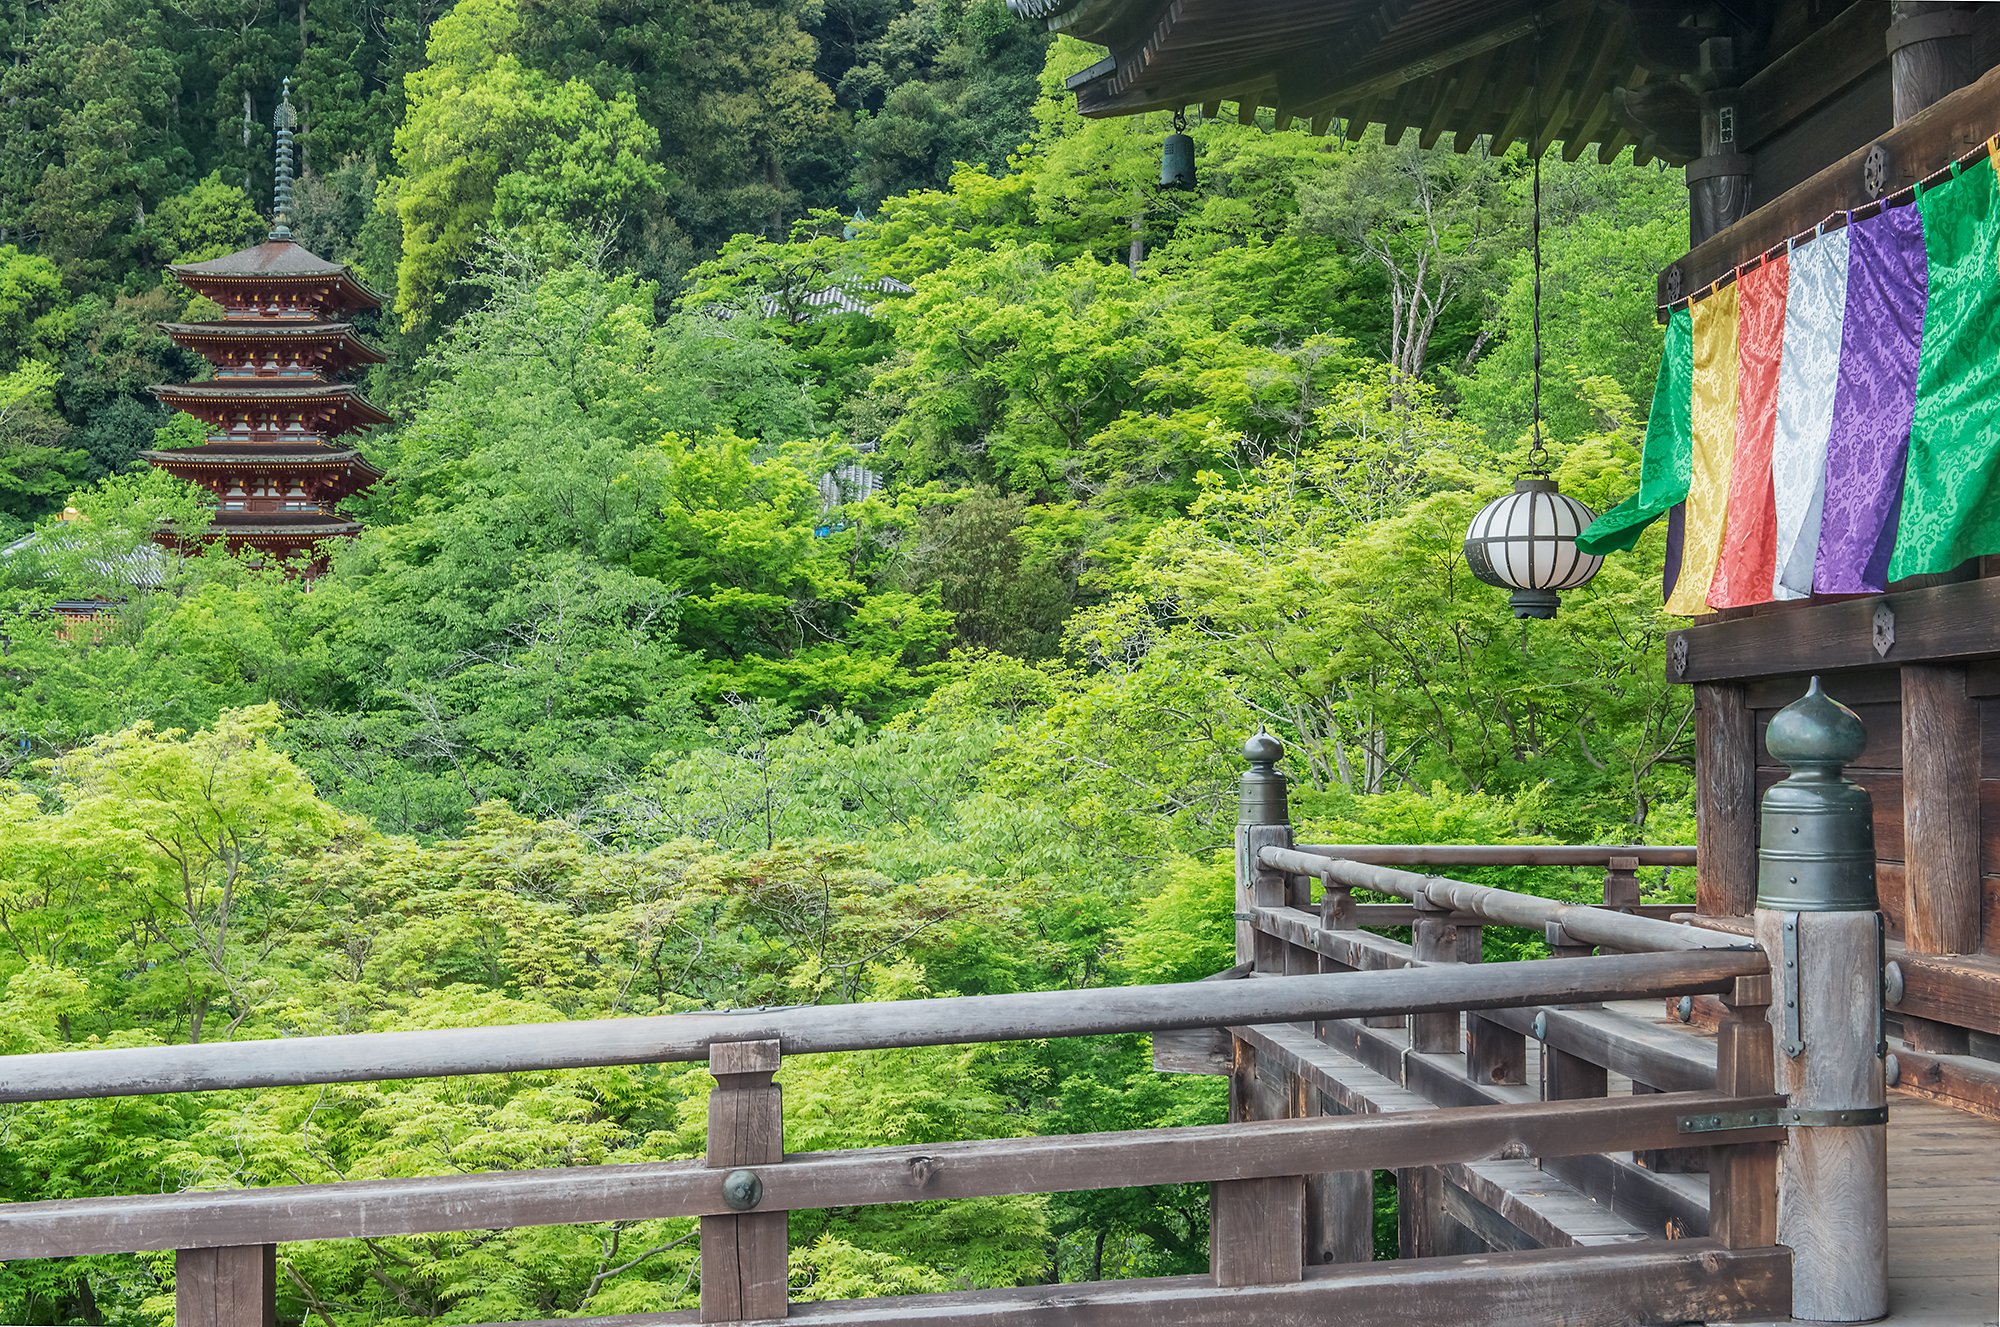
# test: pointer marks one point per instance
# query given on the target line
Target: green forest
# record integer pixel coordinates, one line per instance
(630, 699)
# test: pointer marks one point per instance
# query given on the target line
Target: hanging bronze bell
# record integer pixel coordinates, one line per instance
(1177, 157)
(1818, 849)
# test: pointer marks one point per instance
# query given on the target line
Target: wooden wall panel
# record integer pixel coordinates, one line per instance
(1989, 915)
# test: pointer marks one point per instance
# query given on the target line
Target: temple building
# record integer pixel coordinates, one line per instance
(277, 407)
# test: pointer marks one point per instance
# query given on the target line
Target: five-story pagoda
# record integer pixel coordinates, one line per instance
(276, 405)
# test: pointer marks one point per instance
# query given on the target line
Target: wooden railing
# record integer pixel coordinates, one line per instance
(1620, 863)
(1268, 1175)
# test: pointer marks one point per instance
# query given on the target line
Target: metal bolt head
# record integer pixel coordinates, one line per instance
(1541, 1027)
(1892, 1071)
(742, 1190)
(1892, 983)
(1684, 1009)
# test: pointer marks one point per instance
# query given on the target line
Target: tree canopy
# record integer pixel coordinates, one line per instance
(766, 604)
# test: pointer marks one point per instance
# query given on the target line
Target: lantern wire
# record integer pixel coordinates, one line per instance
(1538, 452)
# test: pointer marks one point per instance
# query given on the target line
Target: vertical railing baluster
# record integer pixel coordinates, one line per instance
(1743, 1179)
(743, 1256)
(229, 1287)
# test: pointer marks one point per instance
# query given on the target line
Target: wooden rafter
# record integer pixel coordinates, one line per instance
(1330, 66)
(1298, 85)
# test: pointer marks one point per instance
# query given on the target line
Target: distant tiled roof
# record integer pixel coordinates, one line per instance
(239, 524)
(144, 567)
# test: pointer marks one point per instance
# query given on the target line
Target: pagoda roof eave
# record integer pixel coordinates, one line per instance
(199, 457)
(275, 329)
(222, 392)
(281, 261)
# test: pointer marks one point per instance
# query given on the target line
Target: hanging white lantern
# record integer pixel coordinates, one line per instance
(1525, 541)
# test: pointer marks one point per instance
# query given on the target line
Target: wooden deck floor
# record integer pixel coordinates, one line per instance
(1944, 1216)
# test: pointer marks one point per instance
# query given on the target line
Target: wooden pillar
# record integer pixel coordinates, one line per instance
(744, 1271)
(233, 1287)
(1719, 179)
(1933, 50)
(1940, 811)
(1833, 1195)
(1725, 781)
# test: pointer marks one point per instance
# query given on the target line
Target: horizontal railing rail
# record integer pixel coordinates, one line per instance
(860, 1177)
(1587, 924)
(814, 1029)
(1502, 854)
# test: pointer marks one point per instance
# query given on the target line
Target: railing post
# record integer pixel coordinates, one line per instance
(1263, 820)
(743, 1257)
(1818, 919)
(1257, 1227)
(1340, 1206)
(1434, 940)
(1420, 1213)
(1567, 1077)
(233, 1287)
(1621, 883)
(1743, 1178)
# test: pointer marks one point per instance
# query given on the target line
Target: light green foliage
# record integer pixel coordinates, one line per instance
(31, 300)
(206, 220)
(489, 141)
(622, 704)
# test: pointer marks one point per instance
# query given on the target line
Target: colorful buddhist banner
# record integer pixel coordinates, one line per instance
(1831, 418)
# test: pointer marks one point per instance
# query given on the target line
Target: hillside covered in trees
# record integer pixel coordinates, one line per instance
(626, 703)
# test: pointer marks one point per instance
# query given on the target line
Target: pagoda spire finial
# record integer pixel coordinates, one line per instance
(286, 120)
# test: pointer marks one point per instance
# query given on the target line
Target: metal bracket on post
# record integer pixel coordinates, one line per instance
(1794, 1043)
(1783, 1118)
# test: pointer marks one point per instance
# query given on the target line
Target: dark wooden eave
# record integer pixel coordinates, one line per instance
(1614, 73)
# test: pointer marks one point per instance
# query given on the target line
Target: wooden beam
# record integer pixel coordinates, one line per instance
(1649, 1201)
(1693, 1280)
(1835, 55)
(1743, 1181)
(813, 1029)
(1929, 140)
(1933, 625)
(861, 1177)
